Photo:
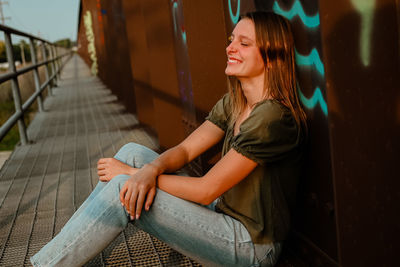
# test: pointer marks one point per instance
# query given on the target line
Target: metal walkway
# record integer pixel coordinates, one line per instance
(43, 183)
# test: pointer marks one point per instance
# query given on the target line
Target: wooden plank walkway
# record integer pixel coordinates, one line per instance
(43, 183)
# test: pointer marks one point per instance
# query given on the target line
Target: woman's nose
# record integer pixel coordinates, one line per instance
(231, 48)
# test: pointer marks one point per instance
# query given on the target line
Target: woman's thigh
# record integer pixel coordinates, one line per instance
(207, 236)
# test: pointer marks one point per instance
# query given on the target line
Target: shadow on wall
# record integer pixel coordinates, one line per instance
(362, 49)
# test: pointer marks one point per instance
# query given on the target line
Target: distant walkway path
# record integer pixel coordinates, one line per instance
(43, 183)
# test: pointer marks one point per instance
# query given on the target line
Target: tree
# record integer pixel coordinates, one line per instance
(64, 43)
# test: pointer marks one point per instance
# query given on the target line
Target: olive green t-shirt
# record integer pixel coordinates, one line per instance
(270, 137)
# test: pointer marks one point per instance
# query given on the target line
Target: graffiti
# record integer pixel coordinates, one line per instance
(366, 10)
(87, 20)
(235, 17)
(316, 98)
(297, 10)
(311, 59)
(175, 20)
(182, 62)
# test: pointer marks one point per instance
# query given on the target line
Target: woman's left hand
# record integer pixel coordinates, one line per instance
(139, 188)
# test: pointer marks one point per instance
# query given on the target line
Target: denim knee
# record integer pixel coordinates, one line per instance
(135, 155)
(126, 149)
(118, 182)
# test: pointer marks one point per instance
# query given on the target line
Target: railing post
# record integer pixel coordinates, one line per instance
(53, 65)
(15, 88)
(46, 69)
(58, 63)
(36, 75)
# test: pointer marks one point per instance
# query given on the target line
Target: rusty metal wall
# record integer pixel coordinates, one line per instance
(138, 51)
(361, 46)
(154, 68)
(111, 47)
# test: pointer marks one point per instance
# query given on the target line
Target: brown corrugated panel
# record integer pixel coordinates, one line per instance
(136, 34)
(118, 74)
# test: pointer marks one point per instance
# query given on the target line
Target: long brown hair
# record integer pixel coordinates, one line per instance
(274, 38)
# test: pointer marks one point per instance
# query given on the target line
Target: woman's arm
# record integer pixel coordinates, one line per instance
(229, 171)
(140, 189)
(203, 138)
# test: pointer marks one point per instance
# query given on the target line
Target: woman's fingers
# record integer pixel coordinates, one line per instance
(137, 193)
(150, 198)
(122, 194)
(139, 203)
(132, 202)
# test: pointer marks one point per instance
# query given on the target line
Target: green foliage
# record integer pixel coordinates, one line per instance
(16, 51)
(3, 56)
(64, 43)
(12, 137)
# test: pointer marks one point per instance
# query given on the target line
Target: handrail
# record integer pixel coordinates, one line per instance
(56, 64)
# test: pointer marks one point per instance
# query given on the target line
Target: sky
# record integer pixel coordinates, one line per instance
(51, 20)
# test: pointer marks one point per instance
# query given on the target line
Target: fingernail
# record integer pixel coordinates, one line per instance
(137, 216)
(132, 218)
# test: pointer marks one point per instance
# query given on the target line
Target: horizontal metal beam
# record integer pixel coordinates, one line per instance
(9, 75)
(6, 127)
(17, 32)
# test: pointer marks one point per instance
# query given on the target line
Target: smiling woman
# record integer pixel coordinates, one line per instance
(237, 214)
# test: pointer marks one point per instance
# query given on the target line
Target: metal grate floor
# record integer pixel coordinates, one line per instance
(43, 183)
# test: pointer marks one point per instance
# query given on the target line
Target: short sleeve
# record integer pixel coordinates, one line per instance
(219, 115)
(269, 134)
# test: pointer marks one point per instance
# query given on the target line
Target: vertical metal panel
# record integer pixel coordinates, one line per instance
(360, 40)
(137, 45)
(111, 47)
(163, 75)
(201, 37)
(206, 42)
(118, 74)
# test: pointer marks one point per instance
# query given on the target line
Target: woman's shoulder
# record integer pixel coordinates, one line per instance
(271, 110)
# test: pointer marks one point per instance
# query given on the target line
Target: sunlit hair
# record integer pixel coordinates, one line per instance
(274, 38)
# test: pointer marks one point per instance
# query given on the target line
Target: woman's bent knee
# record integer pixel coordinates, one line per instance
(127, 149)
(135, 155)
(118, 181)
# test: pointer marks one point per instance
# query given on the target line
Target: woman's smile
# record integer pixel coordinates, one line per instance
(232, 60)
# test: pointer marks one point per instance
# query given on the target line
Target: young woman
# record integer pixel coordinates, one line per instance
(248, 192)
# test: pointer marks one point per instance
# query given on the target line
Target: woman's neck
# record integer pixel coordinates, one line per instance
(253, 90)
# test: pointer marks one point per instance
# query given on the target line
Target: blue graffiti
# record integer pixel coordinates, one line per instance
(311, 59)
(235, 17)
(316, 98)
(184, 37)
(297, 9)
(176, 28)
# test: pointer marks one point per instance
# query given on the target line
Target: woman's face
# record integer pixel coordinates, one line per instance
(244, 58)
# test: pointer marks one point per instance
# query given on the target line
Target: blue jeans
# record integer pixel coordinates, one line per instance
(211, 238)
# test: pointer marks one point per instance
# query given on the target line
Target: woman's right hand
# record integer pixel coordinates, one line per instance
(139, 190)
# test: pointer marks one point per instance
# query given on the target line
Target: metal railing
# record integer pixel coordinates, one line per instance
(54, 63)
